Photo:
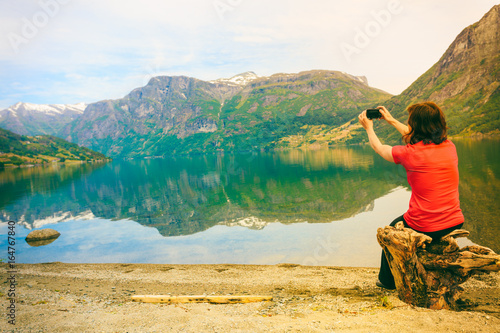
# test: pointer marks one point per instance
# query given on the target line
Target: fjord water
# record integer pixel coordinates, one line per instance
(316, 207)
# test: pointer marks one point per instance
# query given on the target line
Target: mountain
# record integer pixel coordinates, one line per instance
(38, 119)
(178, 114)
(16, 150)
(465, 82)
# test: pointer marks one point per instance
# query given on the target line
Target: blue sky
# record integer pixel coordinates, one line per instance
(70, 51)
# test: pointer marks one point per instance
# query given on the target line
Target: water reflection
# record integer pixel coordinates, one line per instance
(187, 195)
(350, 242)
(479, 166)
(19, 183)
(348, 158)
(181, 196)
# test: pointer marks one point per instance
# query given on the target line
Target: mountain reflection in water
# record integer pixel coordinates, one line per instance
(185, 195)
(188, 195)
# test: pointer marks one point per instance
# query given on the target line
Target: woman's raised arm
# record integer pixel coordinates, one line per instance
(383, 150)
(402, 128)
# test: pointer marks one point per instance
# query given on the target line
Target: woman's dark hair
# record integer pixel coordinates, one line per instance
(427, 124)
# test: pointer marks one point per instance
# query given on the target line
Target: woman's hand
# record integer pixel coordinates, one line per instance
(386, 115)
(402, 128)
(365, 122)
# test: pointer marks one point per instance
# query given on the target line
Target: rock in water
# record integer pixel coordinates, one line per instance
(40, 242)
(45, 236)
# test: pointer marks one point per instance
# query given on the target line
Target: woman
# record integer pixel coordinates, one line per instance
(431, 164)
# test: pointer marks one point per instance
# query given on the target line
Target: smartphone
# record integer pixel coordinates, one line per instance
(373, 114)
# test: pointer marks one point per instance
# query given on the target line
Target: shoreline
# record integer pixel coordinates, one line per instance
(51, 163)
(61, 297)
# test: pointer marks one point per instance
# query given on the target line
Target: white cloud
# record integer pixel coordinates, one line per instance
(103, 49)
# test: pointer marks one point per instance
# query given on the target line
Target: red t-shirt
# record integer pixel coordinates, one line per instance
(432, 172)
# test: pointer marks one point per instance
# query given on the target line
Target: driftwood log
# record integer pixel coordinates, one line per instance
(200, 299)
(428, 274)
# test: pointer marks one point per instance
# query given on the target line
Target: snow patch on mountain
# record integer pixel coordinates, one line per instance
(238, 80)
(250, 222)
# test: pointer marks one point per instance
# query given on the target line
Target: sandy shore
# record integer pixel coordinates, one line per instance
(58, 297)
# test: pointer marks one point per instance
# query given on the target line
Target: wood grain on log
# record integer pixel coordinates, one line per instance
(429, 274)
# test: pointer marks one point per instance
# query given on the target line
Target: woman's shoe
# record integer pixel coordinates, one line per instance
(381, 285)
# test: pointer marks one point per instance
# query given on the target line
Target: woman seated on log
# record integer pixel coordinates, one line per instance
(431, 165)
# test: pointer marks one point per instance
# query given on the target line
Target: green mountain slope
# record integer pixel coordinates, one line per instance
(267, 111)
(16, 150)
(465, 82)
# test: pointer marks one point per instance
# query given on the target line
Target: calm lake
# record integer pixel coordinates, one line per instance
(318, 207)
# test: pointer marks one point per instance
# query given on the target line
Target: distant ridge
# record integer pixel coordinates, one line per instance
(37, 119)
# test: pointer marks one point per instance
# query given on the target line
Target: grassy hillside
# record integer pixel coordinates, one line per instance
(263, 116)
(18, 150)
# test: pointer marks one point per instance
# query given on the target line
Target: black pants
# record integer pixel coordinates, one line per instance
(385, 275)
